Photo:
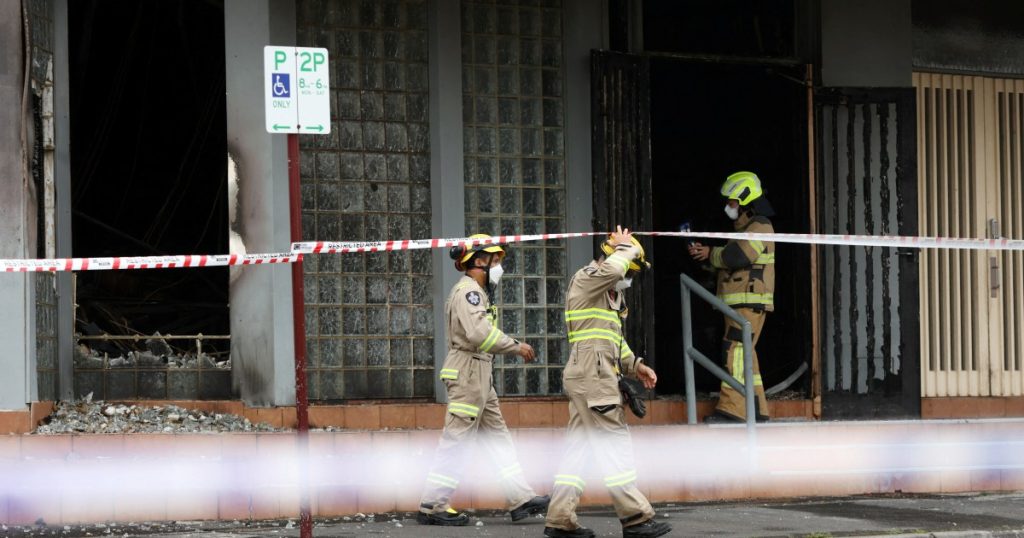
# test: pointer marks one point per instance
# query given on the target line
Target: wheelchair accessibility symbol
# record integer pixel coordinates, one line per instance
(281, 87)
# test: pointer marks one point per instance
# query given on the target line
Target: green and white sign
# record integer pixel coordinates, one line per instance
(297, 89)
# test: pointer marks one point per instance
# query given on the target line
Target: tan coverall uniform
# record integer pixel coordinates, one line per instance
(473, 338)
(746, 282)
(597, 425)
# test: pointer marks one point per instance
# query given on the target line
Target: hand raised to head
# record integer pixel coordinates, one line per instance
(620, 236)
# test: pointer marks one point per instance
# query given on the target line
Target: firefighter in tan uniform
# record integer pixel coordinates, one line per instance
(473, 412)
(746, 282)
(597, 431)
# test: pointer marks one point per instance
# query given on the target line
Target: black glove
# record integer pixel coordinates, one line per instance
(631, 396)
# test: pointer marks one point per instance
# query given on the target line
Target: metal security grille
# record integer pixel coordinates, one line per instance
(514, 148)
(620, 109)
(369, 317)
(970, 181)
(861, 299)
(1010, 110)
(869, 309)
(46, 334)
(40, 17)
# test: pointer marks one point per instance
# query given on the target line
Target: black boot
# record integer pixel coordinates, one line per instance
(578, 532)
(449, 518)
(647, 529)
(535, 505)
(719, 417)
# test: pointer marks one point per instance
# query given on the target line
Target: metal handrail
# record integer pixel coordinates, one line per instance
(138, 337)
(686, 285)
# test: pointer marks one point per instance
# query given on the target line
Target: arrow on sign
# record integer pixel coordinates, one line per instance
(315, 127)
(279, 127)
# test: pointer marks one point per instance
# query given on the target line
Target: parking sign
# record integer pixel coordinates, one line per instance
(297, 89)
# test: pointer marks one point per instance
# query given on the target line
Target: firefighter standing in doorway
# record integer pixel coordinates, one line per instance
(746, 282)
(597, 431)
(473, 339)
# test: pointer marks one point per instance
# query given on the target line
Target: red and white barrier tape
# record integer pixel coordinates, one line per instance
(892, 241)
(344, 247)
(144, 262)
(896, 241)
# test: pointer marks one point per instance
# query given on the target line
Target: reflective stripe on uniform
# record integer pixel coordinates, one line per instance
(459, 408)
(615, 258)
(449, 373)
(593, 313)
(589, 334)
(510, 471)
(758, 245)
(442, 480)
(624, 351)
(716, 257)
(767, 258)
(492, 338)
(620, 479)
(737, 367)
(748, 298)
(757, 382)
(570, 480)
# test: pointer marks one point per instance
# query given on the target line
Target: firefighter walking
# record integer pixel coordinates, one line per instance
(473, 338)
(746, 282)
(597, 431)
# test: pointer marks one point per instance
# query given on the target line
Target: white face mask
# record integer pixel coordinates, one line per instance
(733, 212)
(495, 274)
(623, 284)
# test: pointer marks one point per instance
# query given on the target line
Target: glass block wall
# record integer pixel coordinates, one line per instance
(369, 317)
(513, 114)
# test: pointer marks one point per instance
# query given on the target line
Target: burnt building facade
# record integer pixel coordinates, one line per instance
(510, 116)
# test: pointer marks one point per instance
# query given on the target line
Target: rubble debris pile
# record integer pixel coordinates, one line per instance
(87, 416)
(157, 355)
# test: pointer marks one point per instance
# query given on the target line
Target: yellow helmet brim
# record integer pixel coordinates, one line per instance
(637, 265)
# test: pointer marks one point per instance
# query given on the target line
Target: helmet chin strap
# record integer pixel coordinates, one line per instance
(487, 279)
(488, 287)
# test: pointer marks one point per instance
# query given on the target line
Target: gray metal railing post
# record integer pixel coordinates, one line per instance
(691, 392)
(749, 394)
(687, 286)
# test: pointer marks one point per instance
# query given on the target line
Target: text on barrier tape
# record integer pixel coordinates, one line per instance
(345, 247)
(144, 262)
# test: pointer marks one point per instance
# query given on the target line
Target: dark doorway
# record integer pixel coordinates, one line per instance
(708, 121)
(148, 164)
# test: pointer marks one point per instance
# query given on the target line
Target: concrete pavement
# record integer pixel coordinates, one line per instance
(948, 516)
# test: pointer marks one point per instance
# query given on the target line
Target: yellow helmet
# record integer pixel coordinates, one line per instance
(462, 254)
(744, 187)
(638, 264)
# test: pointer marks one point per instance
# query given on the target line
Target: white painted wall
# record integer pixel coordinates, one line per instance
(17, 315)
(262, 350)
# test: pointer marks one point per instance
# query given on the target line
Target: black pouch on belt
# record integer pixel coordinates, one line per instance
(631, 396)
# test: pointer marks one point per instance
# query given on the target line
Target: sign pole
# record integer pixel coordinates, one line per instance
(297, 100)
(299, 329)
